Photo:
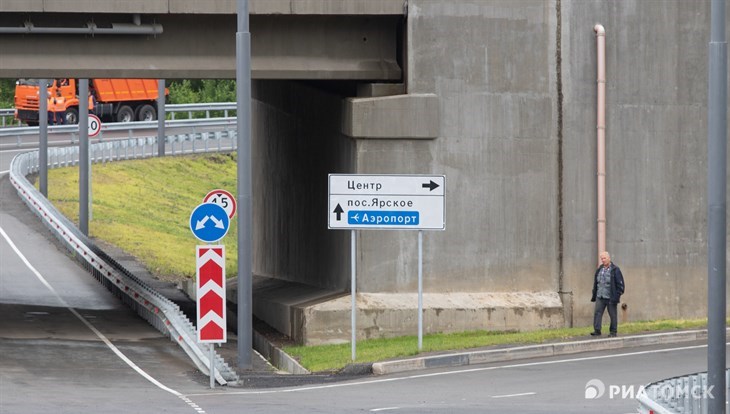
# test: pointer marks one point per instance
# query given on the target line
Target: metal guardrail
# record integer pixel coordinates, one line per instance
(201, 107)
(149, 304)
(7, 115)
(19, 137)
(686, 395)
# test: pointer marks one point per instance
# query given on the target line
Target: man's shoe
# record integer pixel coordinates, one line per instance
(596, 333)
(612, 335)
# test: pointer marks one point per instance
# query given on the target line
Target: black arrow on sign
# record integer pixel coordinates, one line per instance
(338, 211)
(430, 185)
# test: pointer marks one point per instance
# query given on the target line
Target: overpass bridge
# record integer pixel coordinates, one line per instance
(497, 95)
(312, 39)
(325, 75)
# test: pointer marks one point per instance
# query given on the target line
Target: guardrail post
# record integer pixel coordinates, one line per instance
(161, 116)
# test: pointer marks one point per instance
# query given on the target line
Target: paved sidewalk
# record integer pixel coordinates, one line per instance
(509, 353)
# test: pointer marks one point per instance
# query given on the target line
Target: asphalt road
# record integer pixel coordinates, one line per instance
(5, 157)
(546, 385)
(68, 345)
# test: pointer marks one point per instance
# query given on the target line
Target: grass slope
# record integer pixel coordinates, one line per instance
(144, 207)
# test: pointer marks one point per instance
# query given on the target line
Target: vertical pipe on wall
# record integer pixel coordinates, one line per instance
(601, 134)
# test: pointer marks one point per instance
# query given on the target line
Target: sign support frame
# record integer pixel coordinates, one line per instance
(353, 291)
(395, 192)
(420, 289)
(211, 360)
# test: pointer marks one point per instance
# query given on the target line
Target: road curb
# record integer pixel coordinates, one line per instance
(534, 351)
(278, 358)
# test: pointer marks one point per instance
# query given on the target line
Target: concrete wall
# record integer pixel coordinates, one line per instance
(656, 138)
(521, 214)
(297, 142)
(492, 64)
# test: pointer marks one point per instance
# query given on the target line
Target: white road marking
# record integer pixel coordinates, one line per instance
(100, 335)
(513, 395)
(439, 374)
(375, 410)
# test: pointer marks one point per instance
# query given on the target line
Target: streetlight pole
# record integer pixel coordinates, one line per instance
(716, 211)
(243, 197)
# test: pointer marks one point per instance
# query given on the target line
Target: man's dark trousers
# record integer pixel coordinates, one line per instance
(601, 305)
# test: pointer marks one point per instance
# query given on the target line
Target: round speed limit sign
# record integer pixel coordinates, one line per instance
(94, 125)
(224, 199)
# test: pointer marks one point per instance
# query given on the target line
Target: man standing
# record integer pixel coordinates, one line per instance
(608, 286)
(59, 108)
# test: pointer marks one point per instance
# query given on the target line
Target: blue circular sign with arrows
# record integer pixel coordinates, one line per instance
(209, 222)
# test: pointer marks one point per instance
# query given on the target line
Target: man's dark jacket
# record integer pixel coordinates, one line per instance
(617, 283)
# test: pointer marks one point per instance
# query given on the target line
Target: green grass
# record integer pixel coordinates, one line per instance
(143, 207)
(335, 357)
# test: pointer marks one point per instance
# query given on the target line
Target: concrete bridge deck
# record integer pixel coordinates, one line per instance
(313, 39)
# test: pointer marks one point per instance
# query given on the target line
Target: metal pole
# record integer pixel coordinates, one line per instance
(420, 289)
(84, 161)
(243, 197)
(211, 359)
(716, 220)
(353, 291)
(43, 136)
(161, 117)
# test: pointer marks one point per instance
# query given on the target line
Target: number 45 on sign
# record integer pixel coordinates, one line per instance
(224, 199)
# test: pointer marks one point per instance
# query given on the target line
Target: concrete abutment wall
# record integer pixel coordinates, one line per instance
(514, 85)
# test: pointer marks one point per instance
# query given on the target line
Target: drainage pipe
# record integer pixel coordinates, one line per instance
(91, 29)
(601, 135)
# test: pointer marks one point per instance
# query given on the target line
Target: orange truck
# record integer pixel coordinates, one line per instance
(115, 100)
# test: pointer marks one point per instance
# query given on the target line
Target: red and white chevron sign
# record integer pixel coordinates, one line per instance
(211, 283)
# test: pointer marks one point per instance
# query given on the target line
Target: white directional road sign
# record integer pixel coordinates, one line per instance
(386, 202)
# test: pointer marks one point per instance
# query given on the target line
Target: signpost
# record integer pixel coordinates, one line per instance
(386, 202)
(209, 222)
(94, 125)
